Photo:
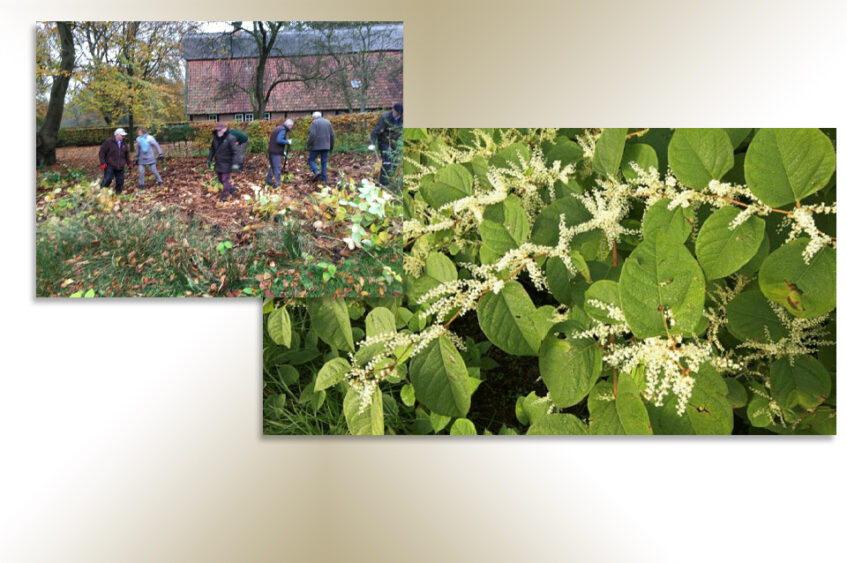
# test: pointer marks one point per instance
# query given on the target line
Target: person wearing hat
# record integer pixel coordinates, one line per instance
(279, 139)
(223, 150)
(386, 135)
(144, 146)
(321, 141)
(114, 156)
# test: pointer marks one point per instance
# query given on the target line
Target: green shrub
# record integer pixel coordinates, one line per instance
(600, 281)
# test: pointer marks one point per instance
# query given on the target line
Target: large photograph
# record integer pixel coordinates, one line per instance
(584, 282)
(218, 159)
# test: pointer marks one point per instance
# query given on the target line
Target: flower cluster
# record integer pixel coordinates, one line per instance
(804, 336)
(668, 363)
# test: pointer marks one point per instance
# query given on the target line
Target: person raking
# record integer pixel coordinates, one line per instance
(387, 134)
(222, 151)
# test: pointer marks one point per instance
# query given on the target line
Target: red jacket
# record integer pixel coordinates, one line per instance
(114, 156)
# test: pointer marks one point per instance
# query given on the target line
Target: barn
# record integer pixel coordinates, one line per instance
(355, 68)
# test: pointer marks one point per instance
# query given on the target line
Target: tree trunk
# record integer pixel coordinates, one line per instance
(47, 137)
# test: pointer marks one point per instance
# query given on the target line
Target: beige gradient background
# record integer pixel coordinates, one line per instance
(130, 430)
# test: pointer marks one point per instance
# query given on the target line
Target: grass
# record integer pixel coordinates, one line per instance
(165, 254)
(158, 255)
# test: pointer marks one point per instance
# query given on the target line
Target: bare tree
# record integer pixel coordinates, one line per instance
(361, 52)
(47, 136)
(265, 68)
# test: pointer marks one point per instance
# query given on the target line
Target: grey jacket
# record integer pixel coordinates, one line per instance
(321, 135)
(148, 156)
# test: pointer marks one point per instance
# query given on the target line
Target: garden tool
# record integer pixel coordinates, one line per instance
(284, 158)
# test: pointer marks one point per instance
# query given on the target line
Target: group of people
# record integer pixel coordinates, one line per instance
(228, 148)
(114, 158)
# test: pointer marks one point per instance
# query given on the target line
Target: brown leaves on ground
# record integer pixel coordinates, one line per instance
(190, 187)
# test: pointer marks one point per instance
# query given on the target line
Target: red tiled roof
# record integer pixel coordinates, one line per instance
(207, 90)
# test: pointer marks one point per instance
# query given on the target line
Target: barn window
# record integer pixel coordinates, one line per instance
(267, 116)
(239, 117)
(212, 117)
(248, 117)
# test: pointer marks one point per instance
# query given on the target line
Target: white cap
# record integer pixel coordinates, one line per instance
(316, 115)
(120, 131)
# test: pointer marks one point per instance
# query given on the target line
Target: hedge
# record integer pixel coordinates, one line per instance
(349, 128)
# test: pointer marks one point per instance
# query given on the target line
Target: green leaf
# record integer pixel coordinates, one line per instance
(569, 367)
(557, 424)
(564, 150)
(758, 409)
(438, 269)
(288, 374)
(750, 317)
(332, 322)
(379, 321)
(441, 379)
(661, 274)
(722, 251)
(737, 135)
(370, 421)
(545, 230)
(752, 267)
(331, 373)
(531, 408)
(545, 319)
(438, 421)
(784, 165)
(641, 154)
(806, 290)
(559, 279)
(806, 384)
(462, 427)
(603, 291)
(407, 394)
(609, 151)
(698, 156)
(415, 133)
(708, 412)
(737, 394)
(676, 223)
(451, 183)
(624, 414)
(504, 226)
(511, 155)
(508, 320)
(279, 327)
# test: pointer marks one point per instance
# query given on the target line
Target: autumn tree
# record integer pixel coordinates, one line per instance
(131, 69)
(59, 78)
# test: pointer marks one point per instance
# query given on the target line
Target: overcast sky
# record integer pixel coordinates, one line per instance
(214, 27)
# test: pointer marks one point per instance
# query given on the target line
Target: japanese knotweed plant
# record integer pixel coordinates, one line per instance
(605, 281)
(371, 213)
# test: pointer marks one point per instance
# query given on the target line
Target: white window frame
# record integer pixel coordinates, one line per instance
(248, 117)
(267, 116)
(239, 117)
(212, 117)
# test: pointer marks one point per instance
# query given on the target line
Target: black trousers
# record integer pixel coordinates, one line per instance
(387, 168)
(117, 174)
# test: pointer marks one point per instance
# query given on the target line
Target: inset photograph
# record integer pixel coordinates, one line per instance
(584, 282)
(219, 159)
